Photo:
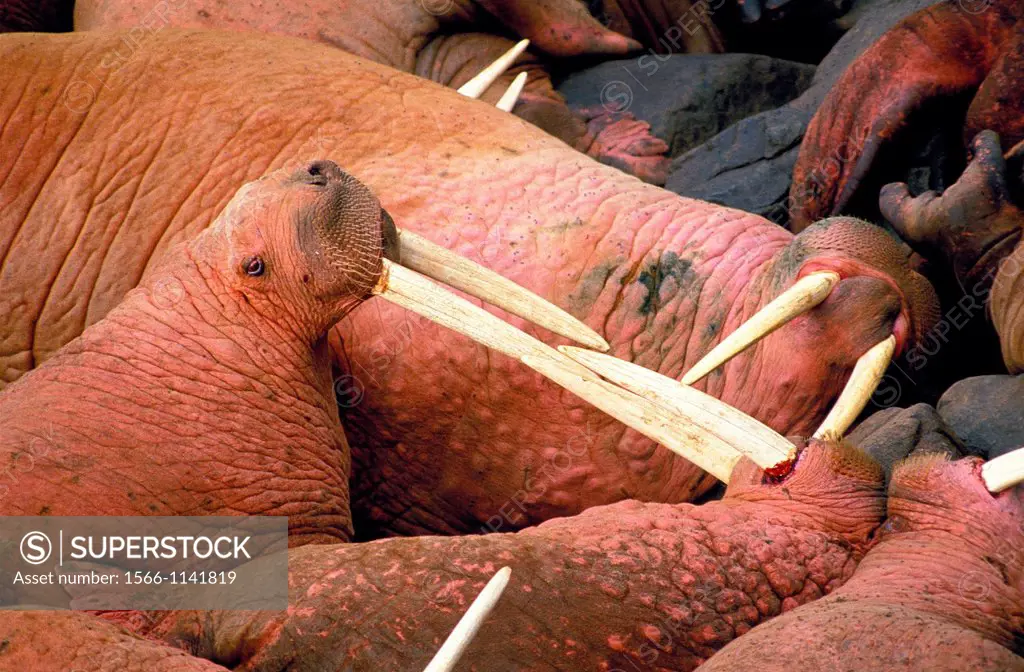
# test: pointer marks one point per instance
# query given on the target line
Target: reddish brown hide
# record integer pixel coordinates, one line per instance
(943, 590)
(923, 66)
(629, 585)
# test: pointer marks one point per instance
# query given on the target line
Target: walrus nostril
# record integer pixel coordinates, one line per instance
(319, 173)
(323, 170)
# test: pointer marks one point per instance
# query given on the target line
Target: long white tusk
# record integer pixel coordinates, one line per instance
(511, 96)
(475, 87)
(440, 263)
(414, 292)
(806, 293)
(654, 421)
(866, 375)
(1004, 471)
(766, 447)
(467, 627)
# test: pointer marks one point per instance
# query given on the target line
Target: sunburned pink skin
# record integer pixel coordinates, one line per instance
(447, 436)
(942, 590)
(627, 586)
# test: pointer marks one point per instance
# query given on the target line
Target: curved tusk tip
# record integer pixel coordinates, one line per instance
(1004, 472)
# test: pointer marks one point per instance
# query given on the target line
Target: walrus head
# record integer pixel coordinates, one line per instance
(303, 243)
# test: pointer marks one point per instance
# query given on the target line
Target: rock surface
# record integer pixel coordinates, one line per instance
(987, 412)
(688, 98)
(892, 434)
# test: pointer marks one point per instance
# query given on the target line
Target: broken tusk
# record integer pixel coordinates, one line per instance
(1003, 472)
(467, 627)
(806, 293)
(475, 87)
(760, 443)
(440, 263)
(670, 429)
(511, 96)
(862, 383)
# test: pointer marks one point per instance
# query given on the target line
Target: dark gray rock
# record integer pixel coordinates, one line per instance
(750, 165)
(893, 434)
(987, 412)
(688, 98)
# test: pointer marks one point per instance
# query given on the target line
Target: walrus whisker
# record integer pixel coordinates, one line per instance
(465, 630)
(806, 293)
(440, 263)
(509, 99)
(475, 87)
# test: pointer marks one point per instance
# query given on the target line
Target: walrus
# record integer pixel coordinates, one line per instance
(207, 391)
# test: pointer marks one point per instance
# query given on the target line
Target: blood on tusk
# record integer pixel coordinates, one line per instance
(862, 383)
(511, 96)
(805, 294)
(475, 87)
(440, 263)
(1003, 472)
(467, 627)
(766, 447)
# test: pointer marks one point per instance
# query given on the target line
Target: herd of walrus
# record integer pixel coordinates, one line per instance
(263, 259)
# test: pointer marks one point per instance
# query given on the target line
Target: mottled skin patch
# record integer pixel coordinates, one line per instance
(668, 267)
(942, 590)
(627, 586)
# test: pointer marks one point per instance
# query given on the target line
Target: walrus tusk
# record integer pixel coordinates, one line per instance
(806, 293)
(414, 292)
(674, 430)
(1004, 471)
(511, 96)
(866, 375)
(440, 263)
(766, 447)
(467, 627)
(475, 87)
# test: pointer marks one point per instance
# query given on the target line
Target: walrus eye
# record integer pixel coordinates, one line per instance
(253, 266)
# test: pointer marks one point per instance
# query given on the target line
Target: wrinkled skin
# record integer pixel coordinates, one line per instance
(44, 641)
(447, 41)
(447, 437)
(940, 63)
(974, 228)
(227, 371)
(653, 586)
(943, 590)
